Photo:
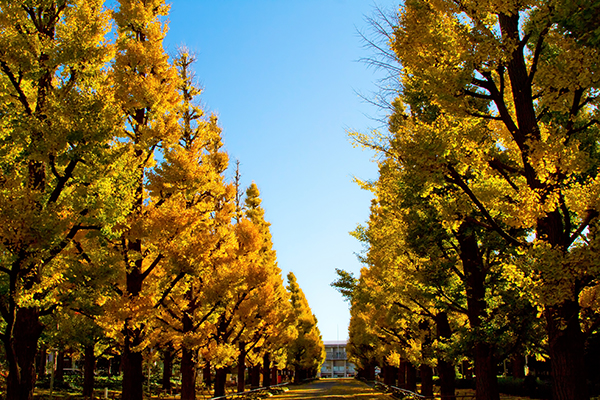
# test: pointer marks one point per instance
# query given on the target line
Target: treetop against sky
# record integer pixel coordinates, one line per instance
(285, 80)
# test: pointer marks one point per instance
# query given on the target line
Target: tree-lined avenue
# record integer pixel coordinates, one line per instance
(342, 388)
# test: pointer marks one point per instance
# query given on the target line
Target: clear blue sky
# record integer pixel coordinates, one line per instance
(283, 77)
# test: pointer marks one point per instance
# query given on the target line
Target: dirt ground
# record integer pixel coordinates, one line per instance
(342, 388)
(349, 388)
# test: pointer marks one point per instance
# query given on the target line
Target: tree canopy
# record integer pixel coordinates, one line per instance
(119, 227)
(489, 171)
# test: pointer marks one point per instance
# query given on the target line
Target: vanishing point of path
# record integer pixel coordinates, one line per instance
(345, 388)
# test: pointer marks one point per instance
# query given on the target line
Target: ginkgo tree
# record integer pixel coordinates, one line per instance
(273, 328)
(307, 352)
(422, 276)
(114, 205)
(254, 315)
(194, 213)
(512, 130)
(55, 127)
(145, 85)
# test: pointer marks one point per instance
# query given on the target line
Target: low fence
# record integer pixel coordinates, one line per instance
(235, 395)
(408, 395)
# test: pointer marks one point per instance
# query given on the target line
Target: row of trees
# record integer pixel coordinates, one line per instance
(482, 240)
(117, 223)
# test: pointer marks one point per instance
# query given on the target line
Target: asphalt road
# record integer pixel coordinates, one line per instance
(343, 388)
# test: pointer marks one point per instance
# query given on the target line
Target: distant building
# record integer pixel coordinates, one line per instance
(336, 363)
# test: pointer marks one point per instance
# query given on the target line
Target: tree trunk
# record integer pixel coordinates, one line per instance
(255, 376)
(133, 372)
(133, 367)
(241, 369)
(89, 365)
(220, 381)
(518, 366)
(114, 365)
(485, 368)
(188, 375)
(445, 368)
(467, 370)
(486, 380)
(41, 361)
(426, 380)
(569, 378)
(447, 380)
(274, 373)
(21, 348)
(402, 375)
(167, 368)
(566, 344)
(411, 377)
(267, 370)
(389, 375)
(59, 374)
(371, 371)
(206, 377)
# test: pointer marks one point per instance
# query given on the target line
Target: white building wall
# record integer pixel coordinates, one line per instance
(336, 363)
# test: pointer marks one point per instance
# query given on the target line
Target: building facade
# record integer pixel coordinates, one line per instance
(336, 363)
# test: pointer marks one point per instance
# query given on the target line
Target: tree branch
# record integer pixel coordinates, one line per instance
(502, 168)
(62, 180)
(63, 243)
(537, 52)
(478, 95)
(458, 180)
(152, 266)
(591, 214)
(21, 95)
(170, 288)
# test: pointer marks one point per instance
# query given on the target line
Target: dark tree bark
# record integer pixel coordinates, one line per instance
(220, 381)
(206, 377)
(41, 361)
(274, 375)
(188, 374)
(566, 351)
(115, 365)
(167, 368)
(518, 366)
(267, 370)
(241, 369)
(486, 380)
(389, 375)
(188, 363)
(132, 362)
(59, 374)
(426, 380)
(402, 375)
(21, 348)
(447, 380)
(89, 365)
(445, 368)
(371, 371)
(133, 372)
(411, 377)
(255, 376)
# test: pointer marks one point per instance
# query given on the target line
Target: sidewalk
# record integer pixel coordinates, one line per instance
(341, 388)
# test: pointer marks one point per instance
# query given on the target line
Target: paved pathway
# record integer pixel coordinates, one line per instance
(343, 388)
